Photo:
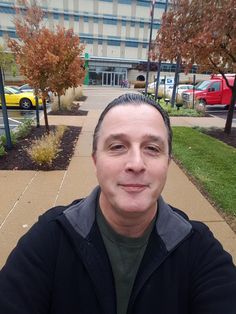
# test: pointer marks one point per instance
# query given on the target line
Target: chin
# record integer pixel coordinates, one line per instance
(136, 208)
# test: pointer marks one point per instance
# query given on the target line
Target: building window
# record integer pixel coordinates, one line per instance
(131, 44)
(55, 16)
(125, 1)
(113, 42)
(66, 17)
(7, 10)
(110, 21)
(156, 26)
(143, 3)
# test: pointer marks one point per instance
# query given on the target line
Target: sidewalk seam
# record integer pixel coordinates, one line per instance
(59, 189)
(18, 200)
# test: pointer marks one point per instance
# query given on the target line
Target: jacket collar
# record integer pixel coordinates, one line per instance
(170, 226)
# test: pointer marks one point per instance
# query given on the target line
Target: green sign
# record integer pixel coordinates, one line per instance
(86, 66)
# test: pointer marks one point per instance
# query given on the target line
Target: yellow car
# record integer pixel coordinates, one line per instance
(25, 100)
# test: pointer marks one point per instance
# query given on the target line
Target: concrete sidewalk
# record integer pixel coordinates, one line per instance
(27, 194)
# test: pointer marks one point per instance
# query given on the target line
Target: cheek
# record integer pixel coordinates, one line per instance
(105, 167)
(159, 170)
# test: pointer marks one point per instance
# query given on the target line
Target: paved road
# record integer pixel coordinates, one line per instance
(99, 97)
(220, 112)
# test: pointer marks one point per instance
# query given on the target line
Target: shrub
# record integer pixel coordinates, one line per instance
(78, 93)
(13, 136)
(2, 150)
(66, 101)
(139, 84)
(43, 151)
(24, 128)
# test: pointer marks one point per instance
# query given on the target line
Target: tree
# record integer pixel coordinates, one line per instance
(203, 33)
(49, 60)
(68, 67)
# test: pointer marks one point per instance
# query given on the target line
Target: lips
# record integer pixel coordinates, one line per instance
(133, 187)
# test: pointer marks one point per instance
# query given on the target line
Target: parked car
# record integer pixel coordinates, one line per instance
(16, 88)
(179, 90)
(210, 92)
(25, 100)
(26, 88)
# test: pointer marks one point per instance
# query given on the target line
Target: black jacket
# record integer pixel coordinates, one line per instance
(61, 266)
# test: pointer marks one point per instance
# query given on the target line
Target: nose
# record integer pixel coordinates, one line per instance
(135, 161)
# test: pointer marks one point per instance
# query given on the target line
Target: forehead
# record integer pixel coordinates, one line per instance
(141, 118)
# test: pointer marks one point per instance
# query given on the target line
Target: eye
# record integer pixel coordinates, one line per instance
(116, 147)
(152, 149)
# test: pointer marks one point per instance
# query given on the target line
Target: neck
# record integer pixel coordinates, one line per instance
(131, 225)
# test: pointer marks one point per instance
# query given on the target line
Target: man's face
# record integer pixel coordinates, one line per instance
(131, 160)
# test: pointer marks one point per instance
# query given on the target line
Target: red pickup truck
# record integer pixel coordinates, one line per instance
(210, 92)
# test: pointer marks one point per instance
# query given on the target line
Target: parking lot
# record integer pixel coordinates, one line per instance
(16, 117)
(221, 112)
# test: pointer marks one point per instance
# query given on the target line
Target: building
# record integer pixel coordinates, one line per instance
(116, 33)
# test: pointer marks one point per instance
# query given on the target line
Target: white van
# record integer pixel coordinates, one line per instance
(164, 80)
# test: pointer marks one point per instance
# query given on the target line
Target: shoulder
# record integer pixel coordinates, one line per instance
(198, 227)
(201, 235)
(53, 213)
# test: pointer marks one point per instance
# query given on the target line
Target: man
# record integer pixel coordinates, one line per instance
(122, 249)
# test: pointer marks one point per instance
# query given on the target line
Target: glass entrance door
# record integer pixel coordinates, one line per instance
(107, 78)
(112, 78)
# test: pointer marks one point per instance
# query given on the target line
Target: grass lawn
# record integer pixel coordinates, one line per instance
(211, 162)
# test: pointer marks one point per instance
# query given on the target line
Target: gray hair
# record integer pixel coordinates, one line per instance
(134, 99)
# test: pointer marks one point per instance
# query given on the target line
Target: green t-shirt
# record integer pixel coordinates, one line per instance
(125, 255)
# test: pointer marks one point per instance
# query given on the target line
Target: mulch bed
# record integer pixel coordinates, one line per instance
(74, 111)
(18, 159)
(218, 133)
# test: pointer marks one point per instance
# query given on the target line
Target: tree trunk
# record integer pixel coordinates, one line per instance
(37, 111)
(45, 115)
(59, 102)
(176, 81)
(228, 124)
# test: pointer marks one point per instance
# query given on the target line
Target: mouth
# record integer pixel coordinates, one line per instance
(133, 187)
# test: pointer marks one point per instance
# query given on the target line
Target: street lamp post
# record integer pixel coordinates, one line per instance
(149, 45)
(159, 62)
(4, 112)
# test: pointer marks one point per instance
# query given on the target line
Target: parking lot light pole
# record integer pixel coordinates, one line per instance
(4, 113)
(159, 61)
(149, 45)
